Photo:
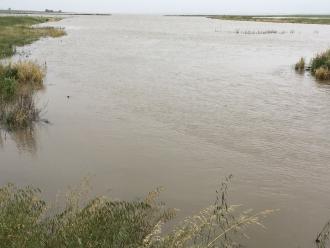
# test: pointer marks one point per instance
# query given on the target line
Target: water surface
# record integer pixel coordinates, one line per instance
(182, 102)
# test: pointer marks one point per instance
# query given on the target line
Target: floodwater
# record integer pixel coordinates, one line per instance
(182, 102)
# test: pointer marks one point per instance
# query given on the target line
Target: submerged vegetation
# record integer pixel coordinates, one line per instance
(28, 221)
(262, 32)
(18, 85)
(319, 66)
(19, 30)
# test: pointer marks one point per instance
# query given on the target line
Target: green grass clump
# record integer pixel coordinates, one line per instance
(18, 31)
(18, 85)
(28, 221)
(8, 88)
(321, 60)
(320, 65)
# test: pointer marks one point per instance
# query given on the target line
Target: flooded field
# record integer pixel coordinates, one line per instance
(137, 102)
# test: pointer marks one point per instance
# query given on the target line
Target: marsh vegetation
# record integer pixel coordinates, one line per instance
(19, 30)
(319, 66)
(18, 84)
(20, 81)
(28, 221)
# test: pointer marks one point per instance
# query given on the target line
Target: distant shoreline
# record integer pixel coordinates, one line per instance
(299, 19)
(34, 12)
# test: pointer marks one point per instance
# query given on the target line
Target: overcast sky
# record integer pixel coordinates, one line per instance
(175, 6)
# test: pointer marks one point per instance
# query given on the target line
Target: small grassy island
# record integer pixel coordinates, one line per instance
(20, 81)
(319, 66)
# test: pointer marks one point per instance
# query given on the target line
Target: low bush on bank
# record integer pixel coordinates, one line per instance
(27, 221)
(18, 84)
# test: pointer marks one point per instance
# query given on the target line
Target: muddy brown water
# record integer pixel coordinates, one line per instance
(182, 102)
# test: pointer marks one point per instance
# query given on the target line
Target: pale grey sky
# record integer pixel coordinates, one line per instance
(175, 6)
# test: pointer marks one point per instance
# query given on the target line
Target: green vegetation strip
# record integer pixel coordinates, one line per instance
(323, 19)
(18, 31)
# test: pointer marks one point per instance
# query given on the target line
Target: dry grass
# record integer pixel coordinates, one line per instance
(19, 113)
(29, 73)
(322, 74)
(300, 66)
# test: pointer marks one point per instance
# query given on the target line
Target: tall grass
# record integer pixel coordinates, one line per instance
(18, 84)
(300, 66)
(28, 221)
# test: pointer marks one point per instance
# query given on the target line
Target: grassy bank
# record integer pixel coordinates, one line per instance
(322, 19)
(20, 81)
(18, 31)
(319, 66)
